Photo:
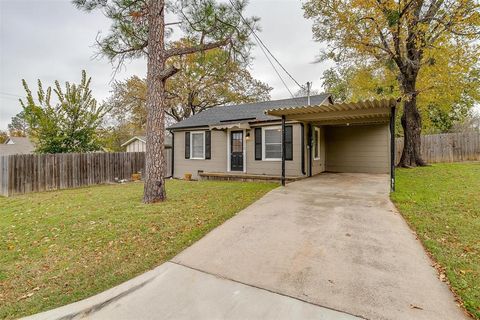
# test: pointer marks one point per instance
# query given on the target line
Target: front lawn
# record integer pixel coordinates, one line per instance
(60, 247)
(442, 204)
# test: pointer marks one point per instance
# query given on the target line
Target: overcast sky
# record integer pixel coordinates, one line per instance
(52, 40)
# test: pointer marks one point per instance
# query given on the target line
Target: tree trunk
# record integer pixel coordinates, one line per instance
(155, 165)
(412, 127)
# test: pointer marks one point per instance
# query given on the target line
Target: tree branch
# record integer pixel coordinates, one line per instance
(172, 52)
(168, 72)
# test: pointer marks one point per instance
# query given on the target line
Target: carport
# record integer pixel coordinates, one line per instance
(349, 135)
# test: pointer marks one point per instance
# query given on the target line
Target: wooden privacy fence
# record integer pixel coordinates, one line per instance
(21, 174)
(447, 147)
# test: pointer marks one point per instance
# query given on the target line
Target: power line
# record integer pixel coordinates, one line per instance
(263, 45)
(274, 68)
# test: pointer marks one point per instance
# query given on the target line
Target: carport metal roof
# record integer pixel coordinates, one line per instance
(362, 112)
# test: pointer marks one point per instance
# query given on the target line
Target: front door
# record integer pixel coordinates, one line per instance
(236, 151)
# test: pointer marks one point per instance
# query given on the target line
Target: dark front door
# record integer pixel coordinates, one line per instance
(236, 151)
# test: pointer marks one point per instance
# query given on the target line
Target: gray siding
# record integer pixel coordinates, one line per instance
(292, 167)
(219, 157)
(217, 163)
(342, 149)
(318, 166)
(358, 148)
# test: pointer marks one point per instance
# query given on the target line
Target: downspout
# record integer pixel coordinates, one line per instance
(392, 148)
(283, 150)
(302, 126)
(309, 85)
(173, 152)
(310, 153)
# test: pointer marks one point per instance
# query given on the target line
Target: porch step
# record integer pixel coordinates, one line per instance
(245, 177)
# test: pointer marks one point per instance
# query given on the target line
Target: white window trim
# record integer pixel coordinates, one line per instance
(263, 142)
(318, 144)
(191, 145)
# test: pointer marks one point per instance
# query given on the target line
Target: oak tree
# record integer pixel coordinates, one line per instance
(448, 87)
(208, 79)
(403, 35)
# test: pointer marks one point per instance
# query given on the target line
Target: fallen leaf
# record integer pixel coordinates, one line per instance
(28, 295)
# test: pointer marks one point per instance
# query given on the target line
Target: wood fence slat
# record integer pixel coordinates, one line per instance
(44, 172)
(446, 147)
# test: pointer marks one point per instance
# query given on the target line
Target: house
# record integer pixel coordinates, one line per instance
(16, 145)
(138, 144)
(286, 139)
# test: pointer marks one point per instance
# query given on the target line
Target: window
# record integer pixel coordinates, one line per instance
(197, 145)
(316, 144)
(272, 143)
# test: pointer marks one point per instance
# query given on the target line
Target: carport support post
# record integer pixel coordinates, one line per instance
(392, 148)
(283, 150)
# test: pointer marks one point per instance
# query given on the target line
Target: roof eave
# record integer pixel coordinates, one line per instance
(131, 140)
(337, 112)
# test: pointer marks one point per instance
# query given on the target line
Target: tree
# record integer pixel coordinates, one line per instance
(128, 103)
(3, 136)
(448, 86)
(401, 35)
(303, 92)
(139, 29)
(69, 125)
(111, 137)
(208, 79)
(18, 126)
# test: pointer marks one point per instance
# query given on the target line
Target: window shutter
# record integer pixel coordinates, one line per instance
(288, 143)
(208, 144)
(258, 143)
(187, 145)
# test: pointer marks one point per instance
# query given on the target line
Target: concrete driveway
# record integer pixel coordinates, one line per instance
(329, 247)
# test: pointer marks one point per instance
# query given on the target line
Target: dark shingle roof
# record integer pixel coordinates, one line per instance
(250, 112)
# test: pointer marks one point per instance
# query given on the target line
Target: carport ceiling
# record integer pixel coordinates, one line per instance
(361, 112)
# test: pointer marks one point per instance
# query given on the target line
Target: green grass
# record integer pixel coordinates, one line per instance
(60, 247)
(442, 204)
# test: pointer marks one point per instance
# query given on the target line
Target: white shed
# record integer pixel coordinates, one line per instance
(139, 143)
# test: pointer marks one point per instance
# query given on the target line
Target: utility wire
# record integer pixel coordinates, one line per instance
(274, 68)
(263, 45)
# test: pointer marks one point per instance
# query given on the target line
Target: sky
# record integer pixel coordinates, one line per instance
(52, 40)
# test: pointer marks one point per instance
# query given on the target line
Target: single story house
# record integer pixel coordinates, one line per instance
(139, 143)
(16, 145)
(286, 139)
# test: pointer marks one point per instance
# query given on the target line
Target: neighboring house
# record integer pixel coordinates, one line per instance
(16, 145)
(319, 136)
(138, 144)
